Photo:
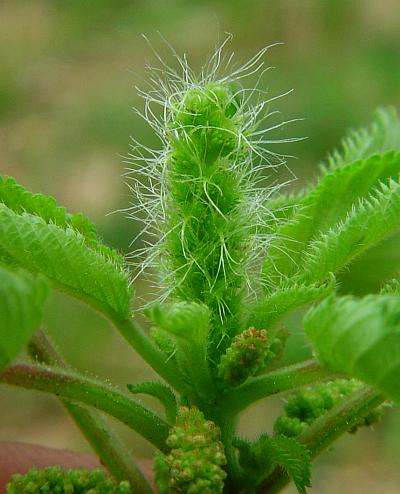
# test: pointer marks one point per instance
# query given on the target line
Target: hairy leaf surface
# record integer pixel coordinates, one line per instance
(382, 135)
(22, 296)
(20, 200)
(63, 255)
(336, 195)
(368, 223)
(294, 458)
(285, 299)
(359, 337)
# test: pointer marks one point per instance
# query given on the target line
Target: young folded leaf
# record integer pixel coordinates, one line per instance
(22, 296)
(294, 458)
(187, 325)
(359, 337)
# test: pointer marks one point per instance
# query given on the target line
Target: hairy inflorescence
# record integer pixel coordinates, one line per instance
(203, 194)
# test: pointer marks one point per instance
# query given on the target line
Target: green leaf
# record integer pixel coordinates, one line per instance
(381, 136)
(187, 321)
(285, 299)
(359, 337)
(368, 223)
(162, 392)
(322, 209)
(392, 287)
(260, 457)
(65, 257)
(294, 458)
(20, 200)
(22, 296)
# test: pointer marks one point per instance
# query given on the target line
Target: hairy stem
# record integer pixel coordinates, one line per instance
(105, 442)
(72, 386)
(277, 381)
(326, 429)
(150, 352)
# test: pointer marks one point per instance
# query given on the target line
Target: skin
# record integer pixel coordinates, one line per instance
(20, 457)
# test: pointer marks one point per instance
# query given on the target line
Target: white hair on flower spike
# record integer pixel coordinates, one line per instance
(147, 177)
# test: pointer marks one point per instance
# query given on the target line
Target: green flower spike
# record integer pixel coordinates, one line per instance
(246, 356)
(55, 480)
(303, 408)
(194, 464)
(201, 195)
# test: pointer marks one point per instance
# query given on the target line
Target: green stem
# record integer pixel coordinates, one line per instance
(197, 368)
(277, 381)
(70, 385)
(150, 352)
(114, 455)
(326, 429)
(344, 417)
(105, 442)
(233, 469)
(136, 337)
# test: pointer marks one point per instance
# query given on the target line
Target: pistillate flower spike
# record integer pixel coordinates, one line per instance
(74, 481)
(304, 407)
(197, 456)
(200, 194)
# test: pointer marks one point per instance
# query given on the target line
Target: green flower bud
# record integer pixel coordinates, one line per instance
(246, 356)
(195, 461)
(289, 426)
(303, 408)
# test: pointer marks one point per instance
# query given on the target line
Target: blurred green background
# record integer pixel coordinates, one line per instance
(67, 88)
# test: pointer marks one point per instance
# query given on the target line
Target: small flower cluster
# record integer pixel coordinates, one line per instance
(195, 461)
(309, 404)
(74, 481)
(246, 356)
